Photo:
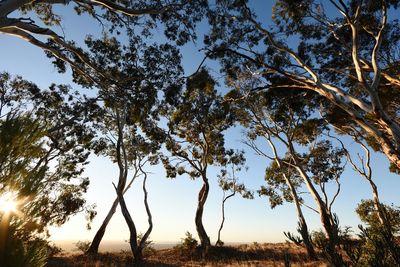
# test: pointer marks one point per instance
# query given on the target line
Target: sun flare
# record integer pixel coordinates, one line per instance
(8, 204)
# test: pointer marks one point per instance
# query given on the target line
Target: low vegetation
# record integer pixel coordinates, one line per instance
(242, 255)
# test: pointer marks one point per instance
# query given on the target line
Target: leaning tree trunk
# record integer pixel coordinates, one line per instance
(122, 161)
(383, 219)
(327, 223)
(136, 251)
(302, 221)
(94, 246)
(326, 217)
(204, 239)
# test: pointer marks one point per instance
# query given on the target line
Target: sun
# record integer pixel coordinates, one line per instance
(8, 204)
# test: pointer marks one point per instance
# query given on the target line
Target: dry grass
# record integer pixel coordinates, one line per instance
(243, 255)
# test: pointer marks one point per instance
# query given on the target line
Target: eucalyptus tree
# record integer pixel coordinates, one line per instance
(229, 183)
(308, 160)
(345, 51)
(129, 150)
(136, 79)
(382, 213)
(42, 157)
(36, 21)
(195, 139)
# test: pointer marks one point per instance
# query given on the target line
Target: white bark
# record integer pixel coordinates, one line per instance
(382, 127)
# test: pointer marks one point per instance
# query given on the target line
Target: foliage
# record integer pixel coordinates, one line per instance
(177, 17)
(23, 250)
(53, 250)
(196, 126)
(82, 246)
(43, 151)
(298, 240)
(188, 244)
(368, 215)
(377, 245)
(228, 179)
(344, 51)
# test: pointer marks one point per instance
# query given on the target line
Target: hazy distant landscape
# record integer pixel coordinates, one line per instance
(68, 246)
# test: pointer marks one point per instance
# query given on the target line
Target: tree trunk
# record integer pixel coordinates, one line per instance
(327, 222)
(204, 239)
(224, 199)
(302, 221)
(94, 246)
(326, 217)
(303, 225)
(136, 251)
(142, 242)
(305, 235)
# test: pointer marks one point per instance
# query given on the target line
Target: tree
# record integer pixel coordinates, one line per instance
(345, 51)
(179, 18)
(42, 155)
(196, 139)
(135, 80)
(288, 121)
(125, 146)
(229, 182)
(383, 217)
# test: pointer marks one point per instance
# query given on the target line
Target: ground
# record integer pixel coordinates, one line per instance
(281, 254)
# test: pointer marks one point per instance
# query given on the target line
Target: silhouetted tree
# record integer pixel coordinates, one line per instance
(134, 81)
(17, 18)
(42, 157)
(196, 139)
(229, 182)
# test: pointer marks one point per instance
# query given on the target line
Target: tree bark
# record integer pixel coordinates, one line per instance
(94, 246)
(204, 239)
(142, 243)
(326, 217)
(303, 224)
(136, 251)
(302, 221)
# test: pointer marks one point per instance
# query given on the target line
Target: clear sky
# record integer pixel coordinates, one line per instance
(173, 202)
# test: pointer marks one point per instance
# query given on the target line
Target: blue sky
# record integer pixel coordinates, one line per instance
(173, 202)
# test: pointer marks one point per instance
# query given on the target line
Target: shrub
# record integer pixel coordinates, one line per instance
(18, 252)
(148, 248)
(188, 244)
(82, 246)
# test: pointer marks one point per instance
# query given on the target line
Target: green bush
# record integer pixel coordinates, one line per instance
(188, 244)
(24, 253)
